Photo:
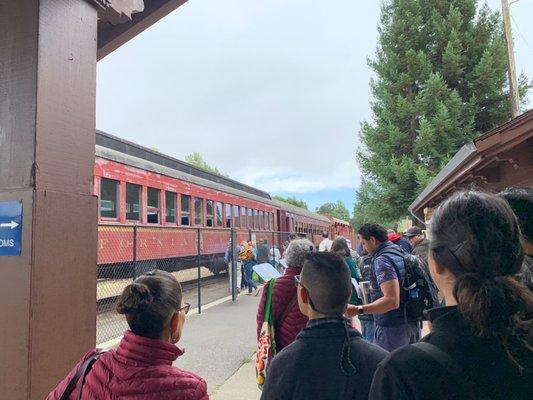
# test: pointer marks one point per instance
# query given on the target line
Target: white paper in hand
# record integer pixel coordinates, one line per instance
(357, 288)
(266, 271)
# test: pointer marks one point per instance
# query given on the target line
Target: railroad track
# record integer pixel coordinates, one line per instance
(107, 303)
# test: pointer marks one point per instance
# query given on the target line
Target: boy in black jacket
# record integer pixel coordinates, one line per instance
(328, 360)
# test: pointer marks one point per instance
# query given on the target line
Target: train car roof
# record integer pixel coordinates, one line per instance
(340, 221)
(122, 151)
(126, 159)
(301, 211)
(109, 141)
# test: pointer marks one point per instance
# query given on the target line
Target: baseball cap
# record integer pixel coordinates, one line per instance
(413, 231)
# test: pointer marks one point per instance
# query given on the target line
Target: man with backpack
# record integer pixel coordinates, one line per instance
(400, 290)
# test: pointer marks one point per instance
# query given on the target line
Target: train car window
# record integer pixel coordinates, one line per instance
(109, 198)
(153, 209)
(170, 205)
(133, 202)
(198, 211)
(209, 220)
(228, 215)
(250, 218)
(236, 217)
(218, 211)
(185, 210)
(243, 217)
(261, 220)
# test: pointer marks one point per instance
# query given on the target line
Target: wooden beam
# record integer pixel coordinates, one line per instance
(111, 37)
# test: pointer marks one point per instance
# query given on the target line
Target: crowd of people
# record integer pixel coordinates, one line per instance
(478, 256)
(479, 347)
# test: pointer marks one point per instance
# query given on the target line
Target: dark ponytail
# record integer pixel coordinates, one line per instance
(476, 237)
(340, 247)
(150, 302)
(490, 305)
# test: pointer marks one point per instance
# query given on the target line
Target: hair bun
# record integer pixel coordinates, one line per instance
(135, 299)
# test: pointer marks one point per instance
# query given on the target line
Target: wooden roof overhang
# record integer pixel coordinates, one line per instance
(479, 162)
(121, 20)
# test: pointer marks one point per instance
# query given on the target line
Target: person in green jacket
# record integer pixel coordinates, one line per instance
(340, 247)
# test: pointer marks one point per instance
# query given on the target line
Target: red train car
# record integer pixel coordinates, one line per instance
(344, 229)
(165, 201)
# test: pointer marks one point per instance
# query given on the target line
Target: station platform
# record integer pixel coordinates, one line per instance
(218, 346)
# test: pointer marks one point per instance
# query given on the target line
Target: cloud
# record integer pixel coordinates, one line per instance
(342, 176)
(274, 104)
(271, 92)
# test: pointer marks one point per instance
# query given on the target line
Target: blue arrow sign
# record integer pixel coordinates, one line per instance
(10, 228)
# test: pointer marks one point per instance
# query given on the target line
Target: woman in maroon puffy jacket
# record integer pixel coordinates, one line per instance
(288, 320)
(141, 366)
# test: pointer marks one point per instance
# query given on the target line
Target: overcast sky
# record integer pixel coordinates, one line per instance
(271, 92)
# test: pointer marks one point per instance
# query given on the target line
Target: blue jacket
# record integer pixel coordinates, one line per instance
(382, 271)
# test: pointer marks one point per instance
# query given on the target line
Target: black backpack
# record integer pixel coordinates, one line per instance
(418, 292)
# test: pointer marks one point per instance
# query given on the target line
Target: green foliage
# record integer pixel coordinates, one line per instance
(196, 160)
(337, 210)
(292, 200)
(369, 208)
(440, 82)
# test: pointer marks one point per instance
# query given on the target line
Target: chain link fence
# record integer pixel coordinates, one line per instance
(194, 256)
(202, 260)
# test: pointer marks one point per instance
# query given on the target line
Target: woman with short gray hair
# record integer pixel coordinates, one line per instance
(288, 319)
(296, 252)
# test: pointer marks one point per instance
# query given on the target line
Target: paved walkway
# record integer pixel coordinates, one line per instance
(219, 341)
(241, 386)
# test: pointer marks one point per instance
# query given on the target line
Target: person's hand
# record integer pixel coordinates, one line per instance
(351, 311)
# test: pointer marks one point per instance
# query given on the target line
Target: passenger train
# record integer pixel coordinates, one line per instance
(166, 201)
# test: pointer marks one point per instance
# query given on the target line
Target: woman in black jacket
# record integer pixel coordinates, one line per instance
(477, 348)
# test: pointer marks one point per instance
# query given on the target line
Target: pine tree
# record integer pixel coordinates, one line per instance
(440, 81)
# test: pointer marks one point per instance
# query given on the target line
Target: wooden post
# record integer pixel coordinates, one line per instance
(47, 136)
(513, 83)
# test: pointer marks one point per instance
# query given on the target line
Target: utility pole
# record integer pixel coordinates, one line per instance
(513, 83)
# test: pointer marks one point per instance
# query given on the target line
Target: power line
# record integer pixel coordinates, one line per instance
(521, 34)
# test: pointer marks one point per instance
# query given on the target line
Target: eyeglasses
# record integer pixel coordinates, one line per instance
(185, 308)
(298, 282)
